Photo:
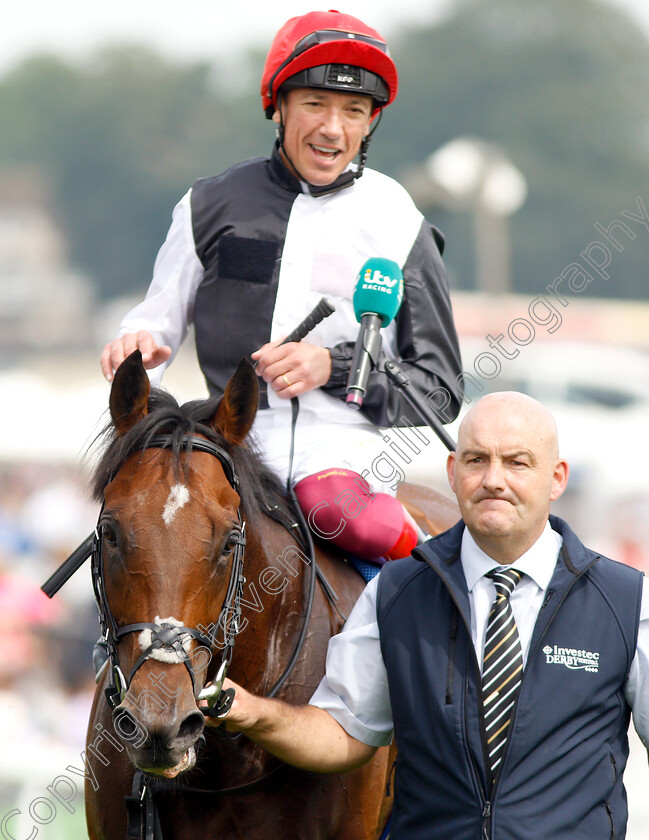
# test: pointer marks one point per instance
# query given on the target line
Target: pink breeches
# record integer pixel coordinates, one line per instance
(340, 506)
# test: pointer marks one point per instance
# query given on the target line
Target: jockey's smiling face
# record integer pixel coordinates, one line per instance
(323, 131)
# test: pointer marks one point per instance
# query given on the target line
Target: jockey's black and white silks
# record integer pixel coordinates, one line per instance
(250, 253)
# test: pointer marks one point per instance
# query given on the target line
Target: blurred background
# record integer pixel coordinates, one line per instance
(521, 130)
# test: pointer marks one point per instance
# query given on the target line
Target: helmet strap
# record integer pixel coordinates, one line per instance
(279, 131)
(345, 179)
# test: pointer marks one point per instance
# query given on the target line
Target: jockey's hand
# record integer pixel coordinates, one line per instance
(116, 351)
(294, 368)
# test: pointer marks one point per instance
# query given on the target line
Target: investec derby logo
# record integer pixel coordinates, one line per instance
(575, 660)
(374, 281)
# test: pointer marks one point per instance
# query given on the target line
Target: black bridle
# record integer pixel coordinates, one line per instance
(164, 636)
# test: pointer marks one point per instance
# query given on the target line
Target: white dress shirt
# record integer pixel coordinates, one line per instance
(537, 565)
(354, 689)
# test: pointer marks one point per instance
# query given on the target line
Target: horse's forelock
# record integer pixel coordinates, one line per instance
(166, 416)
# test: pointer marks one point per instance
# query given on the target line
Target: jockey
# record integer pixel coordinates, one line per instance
(251, 251)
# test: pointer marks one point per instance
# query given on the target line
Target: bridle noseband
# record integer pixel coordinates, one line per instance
(167, 637)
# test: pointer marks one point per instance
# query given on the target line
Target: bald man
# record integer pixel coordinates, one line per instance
(538, 752)
(506, 472)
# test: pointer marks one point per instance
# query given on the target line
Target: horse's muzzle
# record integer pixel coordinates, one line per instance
(163, 744)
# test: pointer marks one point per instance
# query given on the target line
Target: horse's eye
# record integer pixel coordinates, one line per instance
(230, 542)
(108, 534)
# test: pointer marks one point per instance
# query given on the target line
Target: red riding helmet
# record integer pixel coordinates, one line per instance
(329, 50)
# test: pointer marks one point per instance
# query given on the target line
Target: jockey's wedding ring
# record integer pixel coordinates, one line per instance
(286, 380)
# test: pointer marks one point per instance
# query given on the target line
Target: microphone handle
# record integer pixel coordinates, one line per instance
(323, 310)
(367, 351)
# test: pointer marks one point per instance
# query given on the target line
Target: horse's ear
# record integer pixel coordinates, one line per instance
(238, 406)
(129, 393)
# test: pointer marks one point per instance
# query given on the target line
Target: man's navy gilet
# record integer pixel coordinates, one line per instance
(561, 777)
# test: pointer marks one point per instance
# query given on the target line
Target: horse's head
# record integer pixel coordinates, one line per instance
(167, 538)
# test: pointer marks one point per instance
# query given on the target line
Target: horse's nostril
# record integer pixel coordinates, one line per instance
(190, 729)
(126, 725)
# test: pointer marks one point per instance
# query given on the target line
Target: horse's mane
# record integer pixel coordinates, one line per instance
(258, 484)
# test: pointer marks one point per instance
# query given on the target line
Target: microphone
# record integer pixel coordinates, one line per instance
(377, 298)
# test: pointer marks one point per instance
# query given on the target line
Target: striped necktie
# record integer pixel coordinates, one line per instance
(502, 667)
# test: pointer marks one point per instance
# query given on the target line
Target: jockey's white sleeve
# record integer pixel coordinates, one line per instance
(167, 309)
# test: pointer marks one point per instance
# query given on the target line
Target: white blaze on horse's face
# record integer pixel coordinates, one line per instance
(177, 499)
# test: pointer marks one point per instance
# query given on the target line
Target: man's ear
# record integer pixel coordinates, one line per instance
(450, 469)
(276, 117)
(559, 479)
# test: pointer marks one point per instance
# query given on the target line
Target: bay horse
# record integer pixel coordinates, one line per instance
(182, 494)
